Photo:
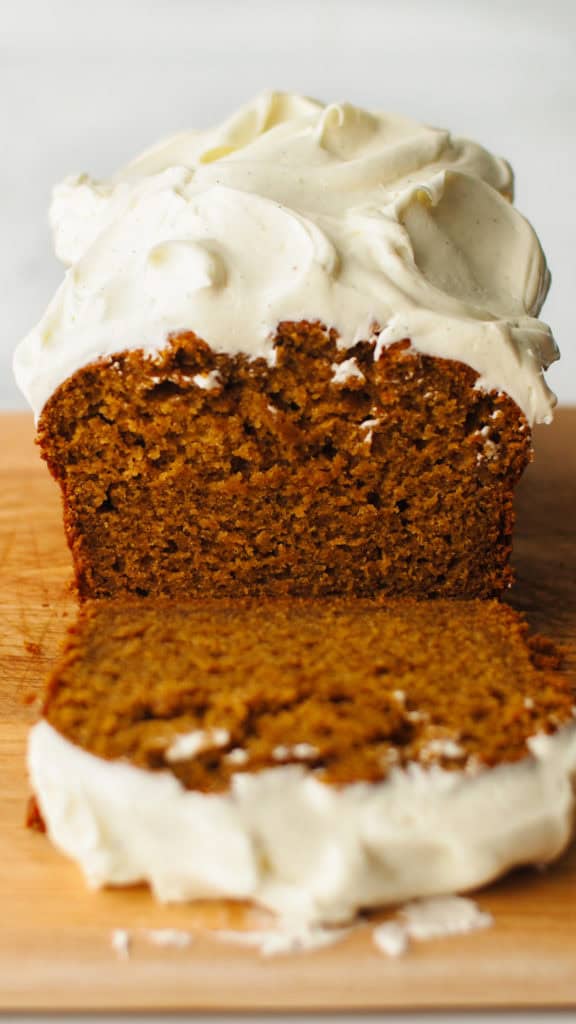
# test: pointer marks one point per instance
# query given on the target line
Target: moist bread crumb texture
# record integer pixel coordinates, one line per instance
(329, 472)
(350, 690)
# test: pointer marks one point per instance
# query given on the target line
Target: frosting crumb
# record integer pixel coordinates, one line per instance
(439, 916)
(345, 371)
(433, 918)
(168, 937)
(237, 756)
(121, 941)
(300, 751)
(391, 938)
(287, 937)
(443, 747)
(191, 743)
(207, 381)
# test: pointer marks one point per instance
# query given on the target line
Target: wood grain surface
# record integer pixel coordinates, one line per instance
(55, 950)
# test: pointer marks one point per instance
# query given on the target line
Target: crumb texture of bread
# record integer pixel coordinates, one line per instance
(330, 472)
(350, 689)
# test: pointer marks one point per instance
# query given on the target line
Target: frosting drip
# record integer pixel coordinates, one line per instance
(292, 210)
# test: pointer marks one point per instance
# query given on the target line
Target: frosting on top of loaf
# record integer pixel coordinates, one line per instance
(373, 224)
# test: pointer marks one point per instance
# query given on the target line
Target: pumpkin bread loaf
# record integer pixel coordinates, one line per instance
(297, 354)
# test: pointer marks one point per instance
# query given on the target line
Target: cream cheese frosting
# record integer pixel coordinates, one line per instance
(300, 847)
(375, 225)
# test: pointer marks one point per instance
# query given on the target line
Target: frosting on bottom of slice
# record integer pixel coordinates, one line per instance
(297, 846)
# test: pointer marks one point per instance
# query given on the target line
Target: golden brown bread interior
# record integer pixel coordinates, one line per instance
(281, 480)
(348, 687)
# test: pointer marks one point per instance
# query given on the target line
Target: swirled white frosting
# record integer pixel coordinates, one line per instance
(294, 210)
(295, 845)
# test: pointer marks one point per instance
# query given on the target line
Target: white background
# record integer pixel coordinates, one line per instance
(86, 85)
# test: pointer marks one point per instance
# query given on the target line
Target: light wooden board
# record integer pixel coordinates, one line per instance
(55, 948)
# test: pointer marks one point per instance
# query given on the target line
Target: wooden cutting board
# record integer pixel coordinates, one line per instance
(55, 950)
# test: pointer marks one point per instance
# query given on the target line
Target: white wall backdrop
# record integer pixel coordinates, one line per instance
(84, 86)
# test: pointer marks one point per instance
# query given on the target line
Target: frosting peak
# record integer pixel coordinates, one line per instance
(294, 210)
